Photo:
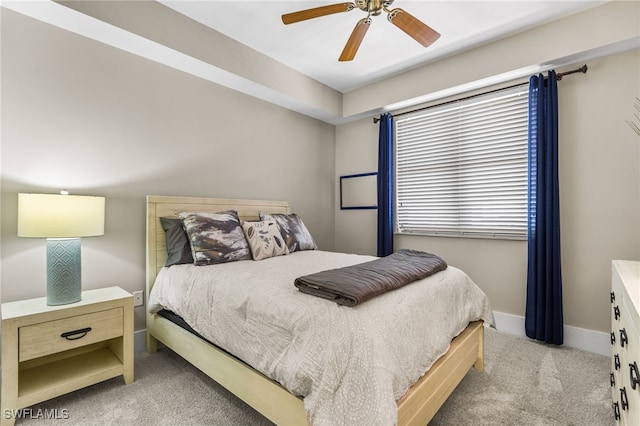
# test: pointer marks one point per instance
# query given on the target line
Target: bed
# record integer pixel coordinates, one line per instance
(273, 400)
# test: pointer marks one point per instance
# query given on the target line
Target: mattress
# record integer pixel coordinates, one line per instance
(351, 364)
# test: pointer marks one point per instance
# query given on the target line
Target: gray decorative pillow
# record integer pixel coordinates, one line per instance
(215, 237)
(293, 230)
(264, 239)
(177, 241)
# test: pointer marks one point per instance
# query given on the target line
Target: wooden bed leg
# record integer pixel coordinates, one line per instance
(479, 364)
(152, 344)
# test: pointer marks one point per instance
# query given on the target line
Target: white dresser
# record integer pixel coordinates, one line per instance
(625, 341)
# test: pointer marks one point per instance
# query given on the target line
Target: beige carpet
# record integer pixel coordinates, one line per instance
(531, 383)
(524, 383)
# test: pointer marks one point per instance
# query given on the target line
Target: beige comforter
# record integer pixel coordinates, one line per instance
(351, 364)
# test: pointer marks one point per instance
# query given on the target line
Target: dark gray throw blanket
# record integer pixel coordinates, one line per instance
(355, 284)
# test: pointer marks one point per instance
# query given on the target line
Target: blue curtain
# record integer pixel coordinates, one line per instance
(543, 315)
(385, 186)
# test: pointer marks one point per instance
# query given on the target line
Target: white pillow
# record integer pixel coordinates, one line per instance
(264, 239)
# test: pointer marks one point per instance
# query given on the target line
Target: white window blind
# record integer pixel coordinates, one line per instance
(461, 167)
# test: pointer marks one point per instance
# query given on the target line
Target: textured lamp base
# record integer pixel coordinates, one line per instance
(63, 271)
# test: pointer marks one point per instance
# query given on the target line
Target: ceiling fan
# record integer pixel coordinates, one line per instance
(415, 28)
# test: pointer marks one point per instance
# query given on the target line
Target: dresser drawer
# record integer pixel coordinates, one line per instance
(629, 397)
(68, 333)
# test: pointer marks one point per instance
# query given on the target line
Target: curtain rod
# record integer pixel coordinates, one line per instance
(582, 69)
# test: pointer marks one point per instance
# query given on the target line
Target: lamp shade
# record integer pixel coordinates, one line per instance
(60, 216)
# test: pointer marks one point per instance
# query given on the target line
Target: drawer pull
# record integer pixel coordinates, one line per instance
(616, 361)
(613, 297)
(616, 312)
(612, 377)
(613, 338)
(624, 402)
(616, 410)
(623, 337)
(634, 376)
(82, 332)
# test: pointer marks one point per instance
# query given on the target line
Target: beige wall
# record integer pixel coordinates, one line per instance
(81, 115)
(600, 202)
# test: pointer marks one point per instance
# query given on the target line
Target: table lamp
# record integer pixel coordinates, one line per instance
(62, 220)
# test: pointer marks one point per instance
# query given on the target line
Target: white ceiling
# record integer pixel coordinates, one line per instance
(312, 47)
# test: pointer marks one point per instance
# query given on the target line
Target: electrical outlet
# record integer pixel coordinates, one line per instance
(138, 298)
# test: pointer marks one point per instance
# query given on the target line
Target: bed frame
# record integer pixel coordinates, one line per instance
(266, 396)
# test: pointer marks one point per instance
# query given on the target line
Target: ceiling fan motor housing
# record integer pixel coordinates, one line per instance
(373, 7)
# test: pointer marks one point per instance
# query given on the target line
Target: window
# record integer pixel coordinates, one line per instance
(461, 167)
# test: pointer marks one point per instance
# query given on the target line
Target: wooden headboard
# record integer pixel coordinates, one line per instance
(166, 206)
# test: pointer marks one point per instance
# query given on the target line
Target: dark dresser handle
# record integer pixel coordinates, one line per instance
(82, 332)
(616, 312)
(613, 338)
(616, 361)
(623, 337)
(612, 377)
(624, 402)
(634, 376)
(613, 297)
(616, 410)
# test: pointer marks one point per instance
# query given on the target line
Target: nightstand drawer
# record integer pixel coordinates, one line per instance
(68, 333)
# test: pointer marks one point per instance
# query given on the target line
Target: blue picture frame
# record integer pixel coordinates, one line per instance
(366, 190)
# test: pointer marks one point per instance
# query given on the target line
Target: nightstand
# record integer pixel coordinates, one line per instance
(48, 351)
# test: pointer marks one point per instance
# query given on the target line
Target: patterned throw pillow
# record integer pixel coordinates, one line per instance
(295, 233)
(177, 241)
(215, 237)
(264, 239)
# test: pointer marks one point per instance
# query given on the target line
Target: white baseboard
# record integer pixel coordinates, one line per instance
(574, 337)
(593, 341)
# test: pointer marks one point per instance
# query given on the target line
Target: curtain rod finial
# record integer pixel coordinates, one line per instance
(376, 119)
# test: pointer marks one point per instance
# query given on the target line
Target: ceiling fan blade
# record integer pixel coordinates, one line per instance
(303, 15)
(355, 39)
(422, 33)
